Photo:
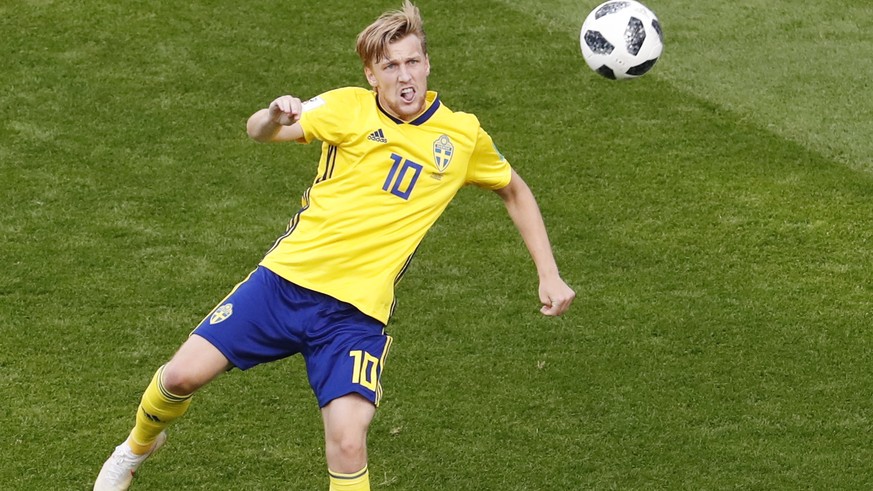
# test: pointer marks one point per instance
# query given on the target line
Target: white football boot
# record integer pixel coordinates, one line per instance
(117, 471)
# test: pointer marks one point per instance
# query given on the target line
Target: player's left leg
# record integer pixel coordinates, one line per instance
(345, 353)
(346, 421)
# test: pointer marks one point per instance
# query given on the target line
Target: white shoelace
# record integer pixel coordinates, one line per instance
(125, 462)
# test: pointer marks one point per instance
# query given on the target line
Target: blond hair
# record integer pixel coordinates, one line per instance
(394, 25)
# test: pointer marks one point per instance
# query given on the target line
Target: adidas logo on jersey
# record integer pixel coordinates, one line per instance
(378, 136)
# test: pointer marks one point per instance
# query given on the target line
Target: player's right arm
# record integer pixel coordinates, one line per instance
(279, 122)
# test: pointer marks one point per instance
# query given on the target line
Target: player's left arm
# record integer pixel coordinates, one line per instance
(555, 295)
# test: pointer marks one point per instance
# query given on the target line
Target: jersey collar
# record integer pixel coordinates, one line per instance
(432, 98)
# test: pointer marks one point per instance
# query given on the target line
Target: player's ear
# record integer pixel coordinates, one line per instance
(371, 78)
(427, 64)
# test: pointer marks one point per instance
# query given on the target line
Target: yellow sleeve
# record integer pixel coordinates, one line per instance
(326, 117)
(488, 168)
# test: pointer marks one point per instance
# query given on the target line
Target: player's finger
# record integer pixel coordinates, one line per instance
(296, 106)
(555, 307)
(548, 310)
(284, 105)
(295, 109)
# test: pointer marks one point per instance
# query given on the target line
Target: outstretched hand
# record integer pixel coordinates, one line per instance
(556, 296)
(286, 110)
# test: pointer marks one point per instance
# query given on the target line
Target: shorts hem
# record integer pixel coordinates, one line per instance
(366, 394)
(224, 351)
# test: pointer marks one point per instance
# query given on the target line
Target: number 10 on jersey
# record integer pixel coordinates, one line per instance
(397, 182)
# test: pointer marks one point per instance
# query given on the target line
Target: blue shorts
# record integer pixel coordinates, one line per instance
(267, 318)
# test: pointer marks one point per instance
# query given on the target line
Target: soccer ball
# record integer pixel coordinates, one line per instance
(621, 39)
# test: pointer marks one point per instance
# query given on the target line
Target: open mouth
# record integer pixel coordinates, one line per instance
(407, 94)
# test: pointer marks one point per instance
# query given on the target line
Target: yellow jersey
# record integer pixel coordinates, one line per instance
(381, 184)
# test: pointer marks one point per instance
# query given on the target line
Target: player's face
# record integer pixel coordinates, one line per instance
(400, 79)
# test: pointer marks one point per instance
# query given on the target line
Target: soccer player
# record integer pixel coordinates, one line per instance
(392, 159)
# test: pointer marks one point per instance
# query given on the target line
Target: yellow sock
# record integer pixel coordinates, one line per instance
(157, 409)
(358, 481)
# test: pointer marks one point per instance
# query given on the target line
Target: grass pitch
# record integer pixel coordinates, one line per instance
(714, 217)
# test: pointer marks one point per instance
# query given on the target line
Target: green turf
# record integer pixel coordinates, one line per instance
(714, 217)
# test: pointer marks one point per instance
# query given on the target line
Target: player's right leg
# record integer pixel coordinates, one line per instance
(244, 330)
(165, 399)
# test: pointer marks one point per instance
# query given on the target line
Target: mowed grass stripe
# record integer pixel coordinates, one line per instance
(798, 70)
(719, 340)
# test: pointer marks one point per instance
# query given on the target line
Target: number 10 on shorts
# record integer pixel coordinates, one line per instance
(366, 369)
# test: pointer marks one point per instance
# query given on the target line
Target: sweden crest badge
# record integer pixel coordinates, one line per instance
(442, 152)
(221, 313)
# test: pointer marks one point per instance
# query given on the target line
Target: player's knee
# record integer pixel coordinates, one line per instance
(193, 366)
(353, 447)
(179, 381)
(349, 448)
